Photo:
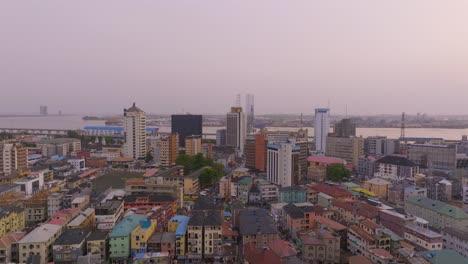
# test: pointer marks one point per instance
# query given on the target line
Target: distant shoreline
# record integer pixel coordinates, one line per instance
(34, 115)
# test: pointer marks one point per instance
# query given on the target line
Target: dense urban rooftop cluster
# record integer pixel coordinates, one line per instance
(135, 195)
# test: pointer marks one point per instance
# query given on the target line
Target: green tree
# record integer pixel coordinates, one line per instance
(207, 177)
(149, 157)
(73, 134)
(186, 161)
(337, 173)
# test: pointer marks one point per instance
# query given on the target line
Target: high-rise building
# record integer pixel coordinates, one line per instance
(13, 156)
(347, 148)
(321, 129)
(261, 143)
(249, 152)
(283, 164)
(249, 109)
(381, 146)
(345, 128)
(193, 145)
(169, 149)
(43, 110)
(135, 132)
(236, 128)
(186, 125)
(221, 137)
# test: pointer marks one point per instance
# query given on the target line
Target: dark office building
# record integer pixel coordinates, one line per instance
(345, 128)
(186, 125)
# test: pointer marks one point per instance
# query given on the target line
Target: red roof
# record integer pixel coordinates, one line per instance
(281, 248)
(332, 190)
(363, 234)
(325, 160)
(227, 230)
(150, 172)
(254, 255)
(330, 223)
(381, 253)
(60, 222)
(89, 172)
(368, 223)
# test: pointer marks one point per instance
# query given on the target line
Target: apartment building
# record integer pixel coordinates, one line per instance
(439, 214)
(319, 245)
(140, 236)
(119, 238)
(347, 148)
(368, 239)
(96, 244)
(13, 156)
(193, 145)
(395, 168)
(70, 245)
(169, 149)
(59, 146)
(9, 247)
(38, 243)
(179, 224)
(204, 236)
(108, 214)
(258, 226)
(11, 219)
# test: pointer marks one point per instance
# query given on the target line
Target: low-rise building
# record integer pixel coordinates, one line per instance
(85, 219)
(70, 245)
(367, 239)
(318, 165)
(456, 240)
(38, 243)
(178, 225)
(319, 245)
(395, 168)
(9, 247)
(119, 238)
(204, 234)
(54, 202)
(439, 214)
(108, 214)
(11, 220)
(140, 237)
(378, 186)
(97, 245)
(257, 225)
(423, 237)
(162, 242)
(293, 194)
(334, 191)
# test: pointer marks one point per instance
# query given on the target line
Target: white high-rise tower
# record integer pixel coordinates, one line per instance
(135, 132)
(249, 110)
(321, 129)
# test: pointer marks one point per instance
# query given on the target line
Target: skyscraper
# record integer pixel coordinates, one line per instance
(135, 132)
(236, 128)
(13, 156)
(186, 125)
(249, 109)
(283, 164)
(345, 128)
(321, 129)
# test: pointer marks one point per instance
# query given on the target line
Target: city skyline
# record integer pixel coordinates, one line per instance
(171, 57)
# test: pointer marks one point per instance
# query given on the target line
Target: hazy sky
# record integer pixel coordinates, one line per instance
(168, 56)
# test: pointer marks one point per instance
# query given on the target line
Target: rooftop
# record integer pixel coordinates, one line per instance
(444, 256)
(126, 226)
(41, 234)
(256, 221)
(424, 231)
(378, 181)
(325, 160)
(72, 236)
(438, 206)
(183, 223)
(397, 160)
(98, 235)
(329, 189)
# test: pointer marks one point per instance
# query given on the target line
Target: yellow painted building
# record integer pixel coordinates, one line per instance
(178, 225)
(11, 220)
(140, 236)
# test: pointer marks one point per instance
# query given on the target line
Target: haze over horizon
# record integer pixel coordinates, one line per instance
(98, 57)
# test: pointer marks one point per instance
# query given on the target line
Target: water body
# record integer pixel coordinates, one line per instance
(76, 122)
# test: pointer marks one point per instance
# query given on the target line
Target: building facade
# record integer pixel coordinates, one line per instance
(321, 129)
(186, 125)
(236, 129)
(347, 148)
(169, 149)
(13, 156)
(193, 145)
(283, 164)
(135, 132)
